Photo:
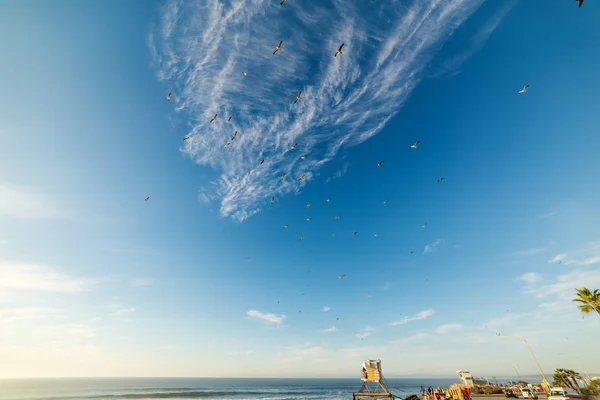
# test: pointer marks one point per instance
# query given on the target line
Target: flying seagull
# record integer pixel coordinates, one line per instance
(278, 47)
(272, 200)
(294, 146)
(285, 226)
(234, 135)
(262, 162)
(580, 2)
(327, 200)
(303, 157)
(380, 163)
(424, 225)
(339, 51)
(229, 119)
(384, 202)
(298, 97)
(227, 145)
(355, 233)
(412, 252)
(341, 277)
(307, 205)
(524, 90)
(376, 235)
(336, 217)
(301, 178)
(169, 96)
(301, 238)
(147, 198)
(415, 145)
(282, 1)
(333, 235)
(186, 138)
(213, 118)
(283, 177)
(440, 180)
(244, 73)
(308, 219)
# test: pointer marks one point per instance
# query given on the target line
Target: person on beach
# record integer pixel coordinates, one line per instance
(430, 391)
(422, 390)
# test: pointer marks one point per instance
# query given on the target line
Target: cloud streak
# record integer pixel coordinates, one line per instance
(417, 317)
(452, 65)
(33, 277)
(267, 317)
(432, 247)
(201, 49)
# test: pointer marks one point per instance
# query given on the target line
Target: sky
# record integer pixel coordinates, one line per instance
(203, 279)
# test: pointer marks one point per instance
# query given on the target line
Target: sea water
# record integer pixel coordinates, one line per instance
(199, 388)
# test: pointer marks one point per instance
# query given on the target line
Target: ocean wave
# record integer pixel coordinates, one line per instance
(169, 393)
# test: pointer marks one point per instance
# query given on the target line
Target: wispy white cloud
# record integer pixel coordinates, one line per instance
(442, 329)
(365, 332)
(530, 277)
(23, 204)
(30, 313)
(267, 317)
(529, 252)
(28, 276)
(548, 214)
(201, 50)
(557, 258)
(120, 310)
(563, 286)
(298, 353)
(142, 282)
(452, 65)
(419, 316)
(431, 247)
(339, 173)
(331, 329)
(326, 308)
(590, 261)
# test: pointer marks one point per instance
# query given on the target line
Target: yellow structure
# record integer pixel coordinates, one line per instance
(373, 386)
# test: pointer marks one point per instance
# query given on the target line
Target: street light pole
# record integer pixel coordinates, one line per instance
(532, 355)
(583, 369)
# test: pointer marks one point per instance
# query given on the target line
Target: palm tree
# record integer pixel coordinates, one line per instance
(574, 376)
(588, 301)
(561, 379)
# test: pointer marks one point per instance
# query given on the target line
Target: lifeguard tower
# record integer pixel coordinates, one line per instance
(373, 384)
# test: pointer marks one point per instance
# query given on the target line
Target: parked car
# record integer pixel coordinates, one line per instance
(562, 393)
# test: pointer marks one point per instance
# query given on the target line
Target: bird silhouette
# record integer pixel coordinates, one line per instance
(278, 47)
(213, 118)
(147, 198)
(298, 97)
(169, 96)
(339, 51)
(380, 163)
(186, 138)
(415, 144)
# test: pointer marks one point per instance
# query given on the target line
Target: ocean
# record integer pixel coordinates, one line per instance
(199, 388)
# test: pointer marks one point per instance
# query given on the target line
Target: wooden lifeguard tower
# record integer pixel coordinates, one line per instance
(373, 385)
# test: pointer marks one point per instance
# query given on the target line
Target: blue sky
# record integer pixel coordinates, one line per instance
(94, 281)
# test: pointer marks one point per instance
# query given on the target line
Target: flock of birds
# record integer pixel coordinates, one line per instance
(413, 146)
